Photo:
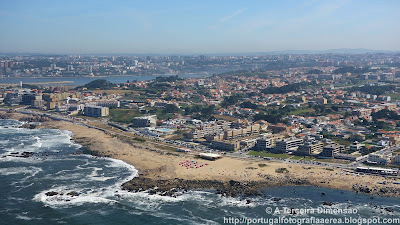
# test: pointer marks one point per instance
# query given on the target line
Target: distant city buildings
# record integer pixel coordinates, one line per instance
(332, 106)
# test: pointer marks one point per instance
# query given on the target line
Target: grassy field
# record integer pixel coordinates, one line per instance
(341, 141)
(302, 111)
(227, 118)
(120, 92)
(268, 154)
(308, 158)
(394, 96)
(333, 161)
(123, 115)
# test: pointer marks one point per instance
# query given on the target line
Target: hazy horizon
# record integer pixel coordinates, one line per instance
(206, 27)
(278, 52)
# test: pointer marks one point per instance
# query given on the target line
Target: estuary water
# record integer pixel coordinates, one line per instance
(86, 190)
(75, 81)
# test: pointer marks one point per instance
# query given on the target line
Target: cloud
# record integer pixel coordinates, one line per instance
(227, 18)
(235, 14)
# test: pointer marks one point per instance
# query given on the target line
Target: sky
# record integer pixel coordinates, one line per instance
(195, 27)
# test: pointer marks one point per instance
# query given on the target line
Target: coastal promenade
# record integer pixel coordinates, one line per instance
(157, 162)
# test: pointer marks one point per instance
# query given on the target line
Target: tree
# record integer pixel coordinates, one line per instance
(249, 105)
(374, 90)
(230, 100)
(100, 83)
(385, 114)
(170, 108)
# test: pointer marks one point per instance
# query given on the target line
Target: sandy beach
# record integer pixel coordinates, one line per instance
(156, 163)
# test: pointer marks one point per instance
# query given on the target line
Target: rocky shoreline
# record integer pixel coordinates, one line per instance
(159, 173)
(173, 187)
(384, 191)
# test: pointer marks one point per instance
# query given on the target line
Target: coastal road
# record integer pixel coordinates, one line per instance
(236, 155)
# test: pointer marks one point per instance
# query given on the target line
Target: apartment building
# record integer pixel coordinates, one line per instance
(310, 148)
(285, 146)
(145, 121)
(329, 151)
(96, 111)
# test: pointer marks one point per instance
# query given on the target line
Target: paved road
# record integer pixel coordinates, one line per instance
(238, 155)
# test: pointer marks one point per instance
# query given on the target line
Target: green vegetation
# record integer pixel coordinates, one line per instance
(170, 108)
(30, 86)
(100, 84)
(123, 115)
(338, 140)
(351, 69)
(168, 79)
(249, 105)
(271, 116)
(200, 112)
(139, 139)
(307, 158)
(268, 154)
(224, 117)
(262, 165)
(302, 111)
(230, 100)
(395, 96)
(315, 71)
(385, 114)
(284, 89)
(282, 170)
(374, 90)
(341, 161)
(367, 150)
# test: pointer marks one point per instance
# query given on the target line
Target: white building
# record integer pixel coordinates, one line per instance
(376, 158)
(396, 159)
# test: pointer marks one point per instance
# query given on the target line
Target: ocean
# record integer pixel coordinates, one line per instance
(75, 81)
(88, 192)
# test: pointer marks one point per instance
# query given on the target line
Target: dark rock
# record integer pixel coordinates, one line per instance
(232, 188)
(234, 183)
(388, 209)
(51, 193)
(73, 193)
(327, 203)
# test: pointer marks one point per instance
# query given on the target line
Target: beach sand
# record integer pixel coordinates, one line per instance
(157, 163)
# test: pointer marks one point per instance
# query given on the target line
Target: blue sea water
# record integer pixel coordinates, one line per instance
(24, 183)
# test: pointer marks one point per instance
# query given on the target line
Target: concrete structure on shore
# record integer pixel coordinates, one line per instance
(210, 156)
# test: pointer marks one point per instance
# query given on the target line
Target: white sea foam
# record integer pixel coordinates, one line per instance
(88, 195)
(64, 200)
(230, 201)
(32, 171)
(21, 217)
